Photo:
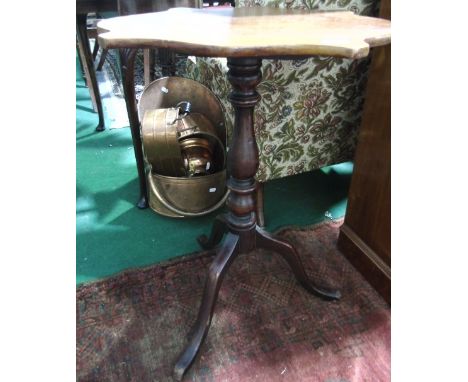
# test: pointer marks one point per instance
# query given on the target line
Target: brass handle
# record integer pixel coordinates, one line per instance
(185, 110)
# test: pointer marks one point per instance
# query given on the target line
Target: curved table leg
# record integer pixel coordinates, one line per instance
(287, 251)
(224, 257)
(218, 230)
(127, 62)
(259, 205)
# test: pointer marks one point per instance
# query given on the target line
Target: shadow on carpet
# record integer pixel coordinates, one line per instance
(133, 326)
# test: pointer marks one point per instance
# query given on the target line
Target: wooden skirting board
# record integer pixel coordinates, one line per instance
(366, 261)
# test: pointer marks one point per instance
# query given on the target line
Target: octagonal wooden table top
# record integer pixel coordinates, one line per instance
(248, 32)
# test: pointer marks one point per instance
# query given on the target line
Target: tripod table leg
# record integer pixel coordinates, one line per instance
(224, 257)
(287, 251)
(217, 232)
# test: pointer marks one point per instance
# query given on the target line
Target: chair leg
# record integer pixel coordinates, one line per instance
(81, 59)
(167, 61)
(95, 49)
(102, 59)
(83, 43)
(219, 228)
(260, 205)
(148, 66)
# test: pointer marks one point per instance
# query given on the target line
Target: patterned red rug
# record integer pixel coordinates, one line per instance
(266, 327)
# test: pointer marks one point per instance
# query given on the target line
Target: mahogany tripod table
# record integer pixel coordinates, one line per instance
(244, 36)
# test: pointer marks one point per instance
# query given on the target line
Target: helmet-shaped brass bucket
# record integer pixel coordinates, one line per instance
(184, 142)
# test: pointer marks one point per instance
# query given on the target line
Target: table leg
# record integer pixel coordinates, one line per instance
(127, 62)
(287, 251)
(167, 61)
(218, 230)
(260, 203)
(102, 59)
(148, 66)
(218, 268)
(88, 63)
(244, 235)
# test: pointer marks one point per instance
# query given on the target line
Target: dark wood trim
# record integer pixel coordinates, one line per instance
(366, 261)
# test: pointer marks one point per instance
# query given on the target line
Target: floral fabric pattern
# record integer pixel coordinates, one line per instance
(310, 110)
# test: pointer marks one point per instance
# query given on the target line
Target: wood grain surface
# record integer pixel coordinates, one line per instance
(248, 32)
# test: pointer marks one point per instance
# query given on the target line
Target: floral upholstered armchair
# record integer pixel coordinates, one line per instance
(310, 110)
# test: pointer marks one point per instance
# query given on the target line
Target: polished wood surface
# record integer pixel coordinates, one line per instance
(248, 32)
(365, 235)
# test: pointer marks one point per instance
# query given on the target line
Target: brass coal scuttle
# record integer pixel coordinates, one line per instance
(184, 143)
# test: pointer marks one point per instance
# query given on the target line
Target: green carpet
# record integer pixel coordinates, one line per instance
(113, 235)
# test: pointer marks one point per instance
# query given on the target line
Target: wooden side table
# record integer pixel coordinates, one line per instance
(244, 36)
